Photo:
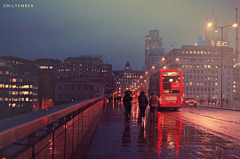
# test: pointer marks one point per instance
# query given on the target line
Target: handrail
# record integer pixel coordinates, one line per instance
(14, 128)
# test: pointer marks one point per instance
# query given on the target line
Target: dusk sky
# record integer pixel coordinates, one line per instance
(115, 29)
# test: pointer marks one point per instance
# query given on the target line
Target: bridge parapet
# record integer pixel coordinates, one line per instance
(50, 133)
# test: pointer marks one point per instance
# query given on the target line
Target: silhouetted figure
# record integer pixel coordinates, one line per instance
(153, 106)
(127, 104)
(143, 102)
(215, 101)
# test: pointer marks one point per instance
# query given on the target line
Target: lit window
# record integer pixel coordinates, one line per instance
(43, 67)
(14, 86)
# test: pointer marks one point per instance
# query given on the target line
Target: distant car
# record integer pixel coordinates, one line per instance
(190, 102)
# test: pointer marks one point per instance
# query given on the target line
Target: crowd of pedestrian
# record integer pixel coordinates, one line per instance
(143, 103)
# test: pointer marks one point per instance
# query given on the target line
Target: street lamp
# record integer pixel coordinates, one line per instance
(233, 25)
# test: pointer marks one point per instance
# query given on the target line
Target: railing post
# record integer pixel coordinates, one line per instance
(32, 138)
(50, 128)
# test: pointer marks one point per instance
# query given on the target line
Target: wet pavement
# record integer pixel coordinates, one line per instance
(169, 137)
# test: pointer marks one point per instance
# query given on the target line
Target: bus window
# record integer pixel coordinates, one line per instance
(171, 80)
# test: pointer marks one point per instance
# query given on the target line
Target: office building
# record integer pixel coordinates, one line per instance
(201, 67)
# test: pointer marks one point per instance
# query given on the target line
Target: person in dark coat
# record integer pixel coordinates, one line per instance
(127, 104)
(143, 102)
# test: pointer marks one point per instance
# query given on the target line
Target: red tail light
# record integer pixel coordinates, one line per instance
(195, 101)
(186, 101)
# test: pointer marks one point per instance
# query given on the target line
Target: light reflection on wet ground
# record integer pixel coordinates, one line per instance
(168, 138)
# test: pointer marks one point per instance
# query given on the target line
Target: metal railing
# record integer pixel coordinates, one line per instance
(50, 133)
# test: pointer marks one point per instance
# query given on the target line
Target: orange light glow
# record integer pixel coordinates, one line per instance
(210, 24)
(235, 25)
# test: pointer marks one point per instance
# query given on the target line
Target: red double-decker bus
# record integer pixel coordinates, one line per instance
(168, 85)
(134, 94)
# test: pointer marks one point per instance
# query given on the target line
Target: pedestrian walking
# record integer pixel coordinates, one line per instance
(143, 102)
(153, 106)
(127, 104)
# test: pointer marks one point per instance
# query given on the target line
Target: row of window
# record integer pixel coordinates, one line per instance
(5, 73)
(203, 83)
(199, 66)
(14, 105)
(200, 52)
(200, 60)
(16, 86)
(20, 99)
(202, 77)
(22, 93)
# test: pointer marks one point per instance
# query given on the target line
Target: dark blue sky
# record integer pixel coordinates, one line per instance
(115, 29)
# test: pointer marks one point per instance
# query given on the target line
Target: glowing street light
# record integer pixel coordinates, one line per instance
(210, 25)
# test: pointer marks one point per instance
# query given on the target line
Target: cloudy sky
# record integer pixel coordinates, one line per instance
(115, 29)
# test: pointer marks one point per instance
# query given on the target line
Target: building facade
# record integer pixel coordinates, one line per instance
(202, 73)
(87, 66)
(126, 79)
(18, 92)
(72, 90)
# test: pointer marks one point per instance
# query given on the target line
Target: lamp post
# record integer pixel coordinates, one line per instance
(233, 25)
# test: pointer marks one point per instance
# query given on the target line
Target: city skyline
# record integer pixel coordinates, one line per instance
(113, 29)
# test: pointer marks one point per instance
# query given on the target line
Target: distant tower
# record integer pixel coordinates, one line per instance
(152, 41)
